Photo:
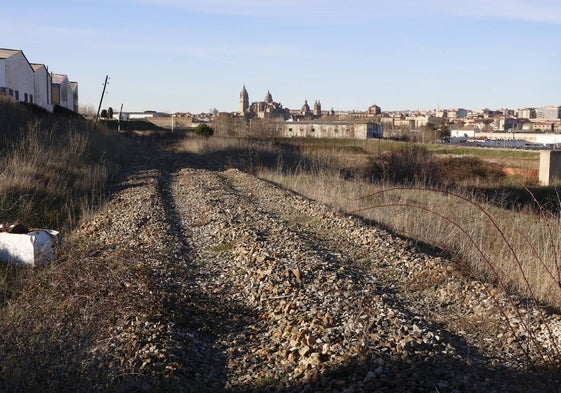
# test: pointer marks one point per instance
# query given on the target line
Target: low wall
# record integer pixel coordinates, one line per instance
(550, 167)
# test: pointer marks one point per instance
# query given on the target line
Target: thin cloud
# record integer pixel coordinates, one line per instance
(335, 11)
(222, 7)
(524, 10)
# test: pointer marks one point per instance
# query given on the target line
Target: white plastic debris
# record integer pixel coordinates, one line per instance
(29, 249)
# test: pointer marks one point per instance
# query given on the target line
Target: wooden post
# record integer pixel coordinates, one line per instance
(100, 101)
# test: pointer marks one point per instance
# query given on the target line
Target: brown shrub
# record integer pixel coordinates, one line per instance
(415, 164)
(462, 169)
(411, 164)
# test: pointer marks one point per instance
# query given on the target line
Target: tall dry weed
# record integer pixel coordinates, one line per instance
(53, 171)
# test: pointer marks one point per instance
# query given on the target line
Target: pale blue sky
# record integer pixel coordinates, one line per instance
(186, 55)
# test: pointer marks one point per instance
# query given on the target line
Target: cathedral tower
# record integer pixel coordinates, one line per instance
(305, 109)
(317, 108)
(244, 101)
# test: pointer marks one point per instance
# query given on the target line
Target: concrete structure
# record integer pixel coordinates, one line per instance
(461, 113)
(310, 129)
(17, 77)
(550, 167)
(547, 126)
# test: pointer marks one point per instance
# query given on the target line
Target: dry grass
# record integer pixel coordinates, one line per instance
(51, 327)
(517, 251)
(50, 176)
(53, 171)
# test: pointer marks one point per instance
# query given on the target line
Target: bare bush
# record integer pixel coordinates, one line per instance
(411, 164)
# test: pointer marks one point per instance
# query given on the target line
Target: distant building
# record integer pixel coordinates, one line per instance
(526, 113)
(244, 102)
(317, 109)
(505, 123)
(309, 129)
(266, 109)
(306, 112)
(550, 112)
(461, 113)
(269, 109)
(374, 110)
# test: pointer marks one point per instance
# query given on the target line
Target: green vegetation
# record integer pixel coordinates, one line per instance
(204, 129)
(483, 152)
(223, 247)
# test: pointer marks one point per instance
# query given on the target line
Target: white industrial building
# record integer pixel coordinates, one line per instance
(33, 84)
(349, 130)
(62, 91)
(17, 78)
(43, 87)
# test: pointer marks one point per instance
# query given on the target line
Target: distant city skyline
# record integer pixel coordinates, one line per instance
(191, 56)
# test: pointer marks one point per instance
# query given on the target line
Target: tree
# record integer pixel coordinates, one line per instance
(224, 124)
(438, 129)
(263, 128)
(204, 129)
(444, 133)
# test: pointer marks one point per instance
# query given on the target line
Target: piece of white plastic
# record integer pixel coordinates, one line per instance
(29, 249)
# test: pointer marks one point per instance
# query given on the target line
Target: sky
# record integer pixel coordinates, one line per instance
(196, 55)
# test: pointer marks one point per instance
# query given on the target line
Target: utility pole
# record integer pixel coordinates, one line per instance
(101, 100)
(119, 121)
